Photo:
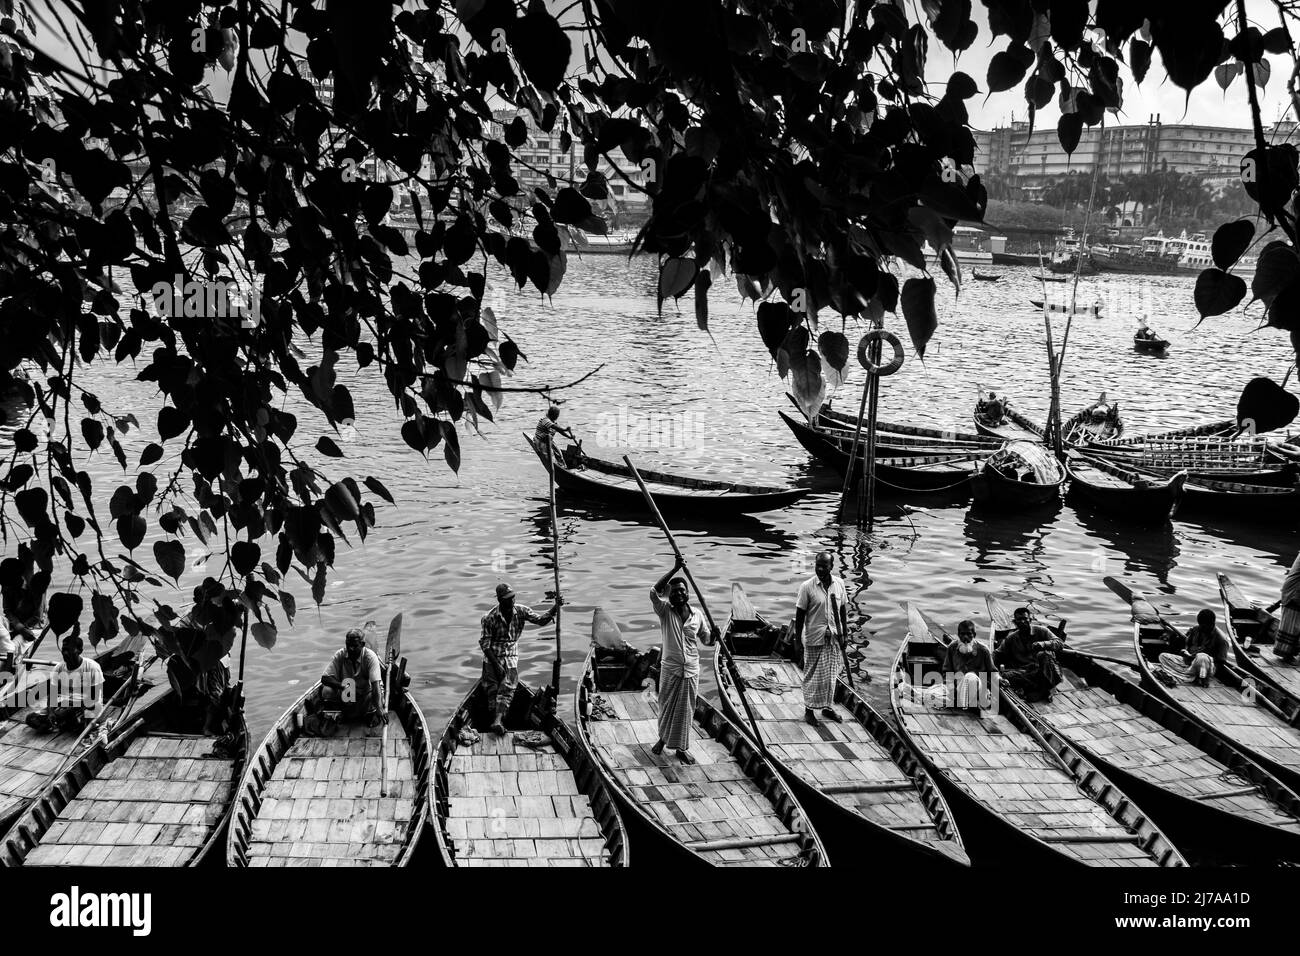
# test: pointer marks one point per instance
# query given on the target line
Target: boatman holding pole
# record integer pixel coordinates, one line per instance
(821, 620)
(500, 644)
(684, 628)
(548, 426)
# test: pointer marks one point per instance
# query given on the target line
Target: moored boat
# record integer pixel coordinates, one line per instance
(995, 417)
(164, 792)
(1064, 308)
(1260, 502)
(1253, 715)
(1121, 491)
(916, 474)
(531, 797)
(829, 418)
(1253, 630)
(357, 798)
(1098, 422)
(29, 757)
(1023, 474)
(863, 787)
(1001, 767)
(579, 474)
(730, 808)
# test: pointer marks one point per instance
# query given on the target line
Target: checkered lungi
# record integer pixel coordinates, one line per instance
(1287, 641)
(1202, 665)
(499, 689)
(676, 708)
(821, 668)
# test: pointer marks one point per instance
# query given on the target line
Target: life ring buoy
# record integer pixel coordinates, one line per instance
(886, 338)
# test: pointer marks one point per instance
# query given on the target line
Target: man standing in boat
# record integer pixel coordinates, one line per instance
(501, 628)
(1287, 642)
(684, 628)
(821, 620)
(547, 428)
(1027, 658)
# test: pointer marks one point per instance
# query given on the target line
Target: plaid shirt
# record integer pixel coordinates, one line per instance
(501, 637)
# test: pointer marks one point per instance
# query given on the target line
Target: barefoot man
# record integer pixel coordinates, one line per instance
(684, 629)
(821, 619)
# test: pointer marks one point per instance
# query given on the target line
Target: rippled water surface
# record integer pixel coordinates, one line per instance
(438, 555)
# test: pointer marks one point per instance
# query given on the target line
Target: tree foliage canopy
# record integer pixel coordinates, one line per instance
(792, 145)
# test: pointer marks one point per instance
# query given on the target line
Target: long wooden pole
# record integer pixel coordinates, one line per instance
(555, 560)
(699, 596)
(853, 451)
(869, 467)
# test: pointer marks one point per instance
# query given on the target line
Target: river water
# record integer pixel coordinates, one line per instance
(680, 400)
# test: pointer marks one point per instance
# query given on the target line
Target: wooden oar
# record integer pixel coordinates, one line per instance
(392, 650)
(95, 723)
(722, 645)
(1128, 594)
(555, 560)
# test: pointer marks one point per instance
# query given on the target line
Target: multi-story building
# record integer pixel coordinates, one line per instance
(1034, 159)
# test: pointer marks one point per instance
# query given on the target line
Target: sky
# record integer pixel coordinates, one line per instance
(1208, 105)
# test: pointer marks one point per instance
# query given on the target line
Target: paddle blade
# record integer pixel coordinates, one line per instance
(1119, 588)
(605, 631)
(741, 609)
(393, 647)
(921, 626)
(997, 612)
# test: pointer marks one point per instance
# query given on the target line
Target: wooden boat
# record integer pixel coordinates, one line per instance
(613, 483)
(1022, 475)
(1061, 308)
(1052, 278)
(1046, 799)
(996, 418)
(1120, 491)
(1262, 502)
(165, 793)
(1152, 346)
(730, 808)
(316, 801)
(29, 757)
(919, 475)
(1206, 429)
(1253, 631)
(828, 419)
(514, 801)
(985, 278)
(857, 779)
(1206, 788)
(1100, 421)
(1253, 715)
(889, 445)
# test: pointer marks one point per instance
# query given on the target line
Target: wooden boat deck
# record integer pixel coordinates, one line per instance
(1272, 667)
(516, 805)
(842, 760)
(713, 806)
(1008, 772)
(156, 805)
(1253, 631)
(1248, 724)
(1124, 737)
(321, 805)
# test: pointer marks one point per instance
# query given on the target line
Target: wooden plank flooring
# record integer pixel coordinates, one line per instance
(153, 806)
(842, 759)
(513, 805)
(1250, 725)
(1286, 675)
(322, 806)
(1116, 732)
(1008, 772)
(707, 803)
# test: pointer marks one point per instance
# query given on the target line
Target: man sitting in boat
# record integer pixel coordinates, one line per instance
(1027, 658)
(1287, 642)
(76, 691)
(821, 620)
(1203, 649)
(501, 628)
(683, 628)
(353, 678)
(967, 665)
(548, 426)
(13, 642)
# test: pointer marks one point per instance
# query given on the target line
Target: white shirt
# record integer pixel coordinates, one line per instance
(813, 600)
(681, 638)
(83, 687)
(7, 645)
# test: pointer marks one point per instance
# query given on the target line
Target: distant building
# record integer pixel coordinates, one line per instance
(1029, 160)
